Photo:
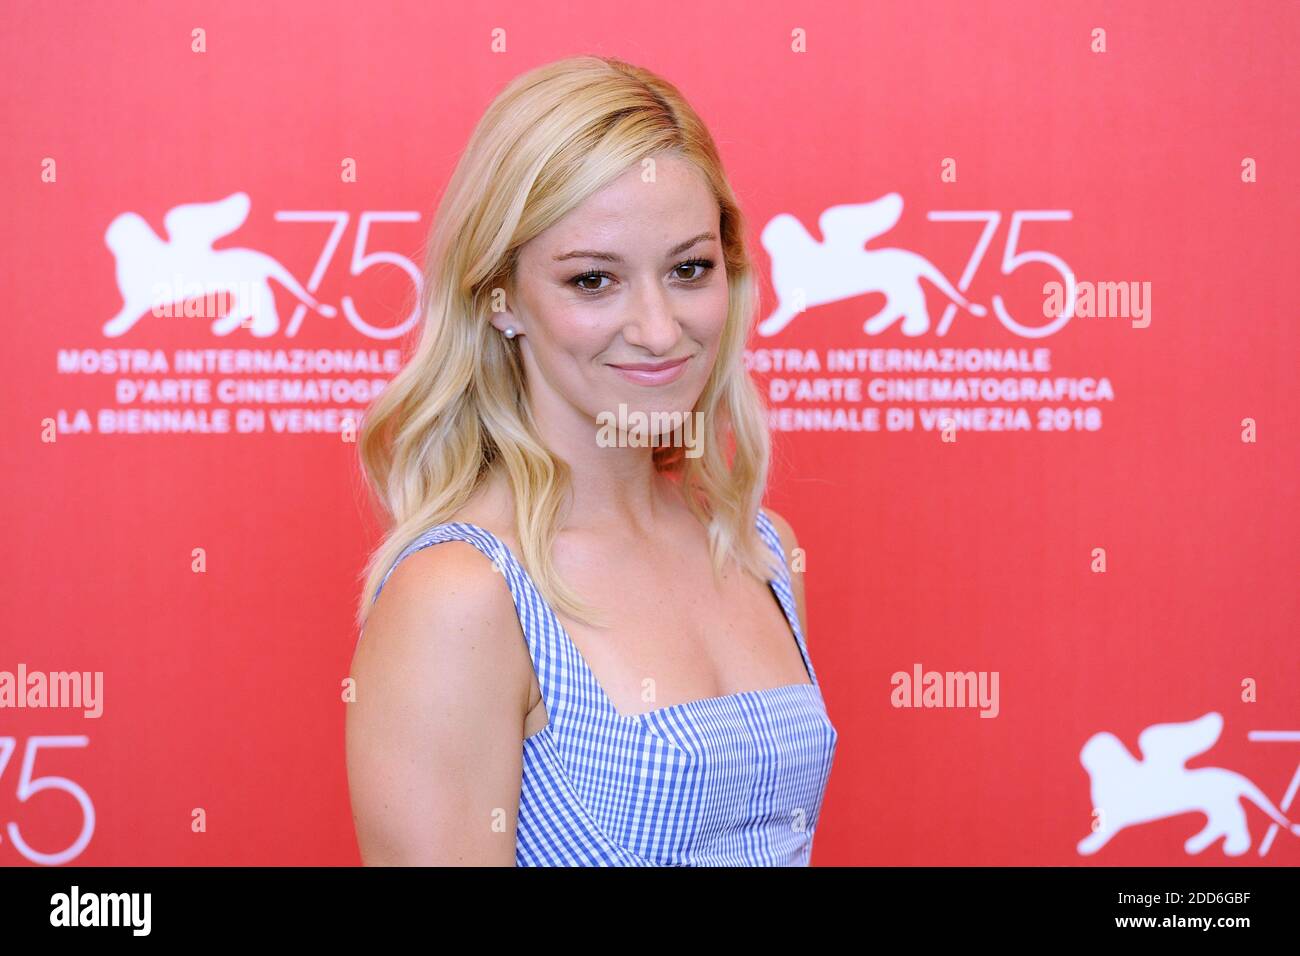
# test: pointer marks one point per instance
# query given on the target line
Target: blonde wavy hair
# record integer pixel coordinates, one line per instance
(458, 408)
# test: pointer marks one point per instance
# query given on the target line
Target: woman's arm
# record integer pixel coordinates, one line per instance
(435, 736)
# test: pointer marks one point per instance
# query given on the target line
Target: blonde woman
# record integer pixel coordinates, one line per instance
(581, 642)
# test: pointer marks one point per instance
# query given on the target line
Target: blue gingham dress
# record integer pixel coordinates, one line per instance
(735, 780)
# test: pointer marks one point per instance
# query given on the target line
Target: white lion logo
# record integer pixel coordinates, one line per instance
(144, 260)
(806, 272)
(1126, 792)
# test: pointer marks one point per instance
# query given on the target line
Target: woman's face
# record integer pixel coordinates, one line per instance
(632, 277)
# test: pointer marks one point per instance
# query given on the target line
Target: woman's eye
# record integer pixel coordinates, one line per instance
(588, 277)
(704, 265)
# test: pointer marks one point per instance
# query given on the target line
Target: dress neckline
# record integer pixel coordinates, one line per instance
(699, 703)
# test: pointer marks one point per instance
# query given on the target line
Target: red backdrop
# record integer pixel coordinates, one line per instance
(210, 574)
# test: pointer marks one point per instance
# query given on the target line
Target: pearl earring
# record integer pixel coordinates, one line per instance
(510, 332)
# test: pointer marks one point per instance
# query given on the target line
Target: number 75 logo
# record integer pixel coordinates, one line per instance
(359, 263)
(29, 786)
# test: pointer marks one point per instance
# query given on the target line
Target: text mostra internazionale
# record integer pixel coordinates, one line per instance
(229, 361)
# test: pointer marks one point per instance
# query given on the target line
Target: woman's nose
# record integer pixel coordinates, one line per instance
(652, 324)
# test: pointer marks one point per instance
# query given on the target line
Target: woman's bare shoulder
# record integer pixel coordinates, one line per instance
(436, 604)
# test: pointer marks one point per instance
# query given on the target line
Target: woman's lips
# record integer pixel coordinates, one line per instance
(653, 374)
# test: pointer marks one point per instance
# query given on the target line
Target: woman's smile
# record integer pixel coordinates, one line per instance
(653, 373)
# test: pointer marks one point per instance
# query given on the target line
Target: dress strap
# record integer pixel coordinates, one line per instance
(782, 588)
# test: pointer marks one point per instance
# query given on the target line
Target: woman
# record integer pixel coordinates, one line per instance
(603, 662)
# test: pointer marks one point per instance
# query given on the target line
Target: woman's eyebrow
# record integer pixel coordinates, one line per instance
(611, 257)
